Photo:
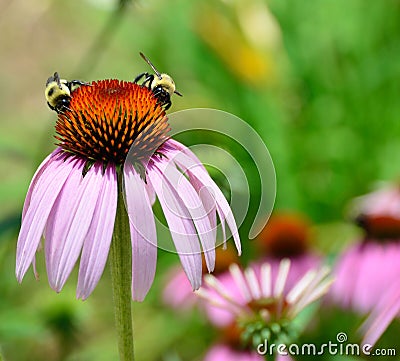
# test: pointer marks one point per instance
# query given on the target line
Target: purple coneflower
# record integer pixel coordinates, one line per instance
(286, 235)
(367, 273)
(367, 269)
(258, 302)
(72, 199)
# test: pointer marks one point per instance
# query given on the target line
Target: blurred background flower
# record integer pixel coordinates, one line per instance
(288, 235)
(382, 314)
(317, 80)
(367, 272)
(254, 306)
(370, 267)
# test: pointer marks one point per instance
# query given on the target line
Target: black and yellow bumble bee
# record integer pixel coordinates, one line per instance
(161, 84)
(58, 92)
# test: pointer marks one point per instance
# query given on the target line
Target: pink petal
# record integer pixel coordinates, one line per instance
(208, 202)
(150, 193)
(69, 222)
(178, 292)
(143, 233)
(221, 352)
(383, 314)
(36, 179)
(97, 244)
(41, 201)
(225, 316)
(384, 201)
(181, 227)
(378, 271)
(192, 165)
(194, 206)
(342, 290)
(205, 194)
(374, 267)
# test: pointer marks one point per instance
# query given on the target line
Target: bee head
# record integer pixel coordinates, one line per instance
(162, 80)
(166, 82)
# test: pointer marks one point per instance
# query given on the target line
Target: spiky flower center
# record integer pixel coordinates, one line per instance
(268, 321)
(380, 228)
(108, 117)
(270, 304)
(286, 235)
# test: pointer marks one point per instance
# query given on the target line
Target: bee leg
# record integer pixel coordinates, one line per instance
(167, 105)
(63, 110)
(149, 79)
(158, 92)
(51, 107)
(64, 106)
(77, 82)
(140, 76)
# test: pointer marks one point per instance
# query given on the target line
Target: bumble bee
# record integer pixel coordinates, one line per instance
(58, 92)
(162, 85)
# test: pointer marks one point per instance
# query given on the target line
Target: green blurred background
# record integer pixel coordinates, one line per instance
(319, 80)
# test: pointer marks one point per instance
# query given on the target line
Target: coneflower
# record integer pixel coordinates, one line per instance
(368, 268)
(259, 302)
(113, 145)
(367, 272)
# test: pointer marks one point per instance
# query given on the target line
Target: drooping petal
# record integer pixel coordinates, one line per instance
(209, 205)
(195, 207)
(143, 233)
(150, 193)
(36, 179)
(207, 199)
(40, 204)
(190, 164)
(35, 182)
(205, 194)
(97, 244)
(69, 222)
(382, 315)
(181, 227)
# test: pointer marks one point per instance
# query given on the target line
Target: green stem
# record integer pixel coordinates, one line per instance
(121, 274)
